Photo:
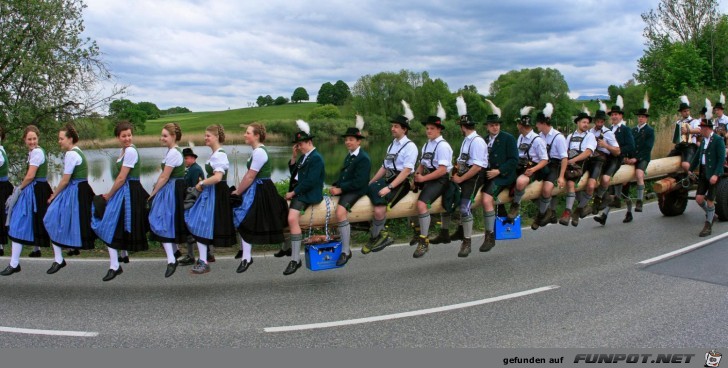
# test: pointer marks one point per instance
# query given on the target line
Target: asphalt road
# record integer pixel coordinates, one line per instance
(600, 296)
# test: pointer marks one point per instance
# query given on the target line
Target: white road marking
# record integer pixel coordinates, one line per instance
(30, 331)
(408, 314)
(682, 250)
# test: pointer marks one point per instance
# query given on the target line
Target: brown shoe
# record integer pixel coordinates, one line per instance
(565, 217)
(514, 211)
(549, 217)
(488, 241)
(464, 248)
(638, 206)
(537, 221)
(707, 229)
(423, 245)
(575, 216)
(442, 238)
(415, 235)
(458, 234)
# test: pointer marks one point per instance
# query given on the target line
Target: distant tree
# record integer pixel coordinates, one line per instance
(325, 112)
(175, 110)
(299, 94)
(280, 100)
(124, 109)
(151, 109)
(260, 101)
(341, 92)
(268, 100)
(326, 94)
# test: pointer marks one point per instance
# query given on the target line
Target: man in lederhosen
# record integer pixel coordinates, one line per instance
(501, 172)
(471, 162)
(391, 183)
(607, 146)
(352, 184)
(432, 176)
(626, 146)
(532, 160)
(685, 135)
(710, 158)
(558, 161)
(644, 139)
(580, 144)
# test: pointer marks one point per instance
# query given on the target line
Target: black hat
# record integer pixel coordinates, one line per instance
(583, 115)
(703, 110)
(401, 120)
(708, 123)
(541, 118)
(642, 111)
(466, 120)
(618, 107)
(718, 105)
(525, 120)
(493, 119)
(684, 103)
(600, 115)
(544, 116)
(353, 132)
(188, 152)
(434, 120)
(301, 136)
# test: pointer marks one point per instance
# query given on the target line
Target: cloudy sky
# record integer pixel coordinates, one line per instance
(214, 55)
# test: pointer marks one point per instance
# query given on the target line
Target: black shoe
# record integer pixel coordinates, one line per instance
(10, 270)
(343, 258)
(244, 264)
(628, 217)
(292, 268)
(239, 254)
(34, 254)
(602, 219)
(111, 274)
(186, 261)
(210, 258)
(177, 254)
(638, 206)
(283, 253)
(73, 252)
(171, 267)
(55, 267)
(124, 259)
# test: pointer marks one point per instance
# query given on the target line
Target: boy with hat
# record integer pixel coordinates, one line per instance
(193, 175)
(558, 161)
(432, 175)
(644, 138)
(685, 135)
(580, 145)
(472, 160)
(351, 185)
(709, 158)
(502, 163)
(532, 159)
(306, 188)
(719, 119)
(391, 183)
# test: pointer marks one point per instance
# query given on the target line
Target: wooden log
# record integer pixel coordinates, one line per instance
(664, 185)
(362, 210)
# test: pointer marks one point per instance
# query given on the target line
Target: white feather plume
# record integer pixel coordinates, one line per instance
(585, 110)
(191, 144)
(303, 126)
(602, 106)
(441, 111)
(525, 110)
(620, 102)
(722, 98)
(646, 103)
(359, 122)
(684, 99)
(408, 111)
(709, 107)
(493, 107)
(462, 107)
(548, 110)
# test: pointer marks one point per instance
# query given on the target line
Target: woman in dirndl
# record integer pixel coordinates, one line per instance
(261, 217)
(124, 223)
(210, 219)
(26, 215)
(6, 189)
(73, 196)
(166, 217)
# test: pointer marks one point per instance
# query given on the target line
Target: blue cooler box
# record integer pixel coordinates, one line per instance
(321, 257)
(507, 230)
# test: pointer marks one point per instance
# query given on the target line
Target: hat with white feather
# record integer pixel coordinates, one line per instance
(304, 133)
(684, 103)
(545, 115)
(465, 119)
(525, 118)
(618, 107)
(720, 103)
(584, 114)
(644, 111)
(404, 120)
(436, 119)
(601, 111)
(707, 122)
(495, 117)
(355, 131)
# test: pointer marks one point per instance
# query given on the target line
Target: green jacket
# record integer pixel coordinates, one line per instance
(503, 156)
(714, 156)
(625, 140)
(354, 175)
(311, 175)
(644, 140)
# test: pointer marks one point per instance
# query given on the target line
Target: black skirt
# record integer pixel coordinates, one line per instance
(266, 218)
(42, 191)
(180, 228)
(85, 198)
(6, 189)
(137, 239)
(223, 235)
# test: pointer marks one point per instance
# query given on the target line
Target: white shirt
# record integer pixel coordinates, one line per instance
(440, 151)
(131, 157)
(355, 152)
(723, 120)
(259, 157)
(71, 159)
(587, 141)
(406, 155)
(474, 148)
(557, 141)
(694, 124)
(537, 150)
(2, 159)
(219, 161)
(608, 136)
(706, 142)
(173, 158)
(36, 157)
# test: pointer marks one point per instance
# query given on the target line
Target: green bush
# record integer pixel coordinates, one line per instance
(325, 112)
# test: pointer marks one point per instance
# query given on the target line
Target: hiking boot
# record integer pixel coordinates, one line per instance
(382, 241)
(423, 245)
(442, 238)
(547, 218)
(707, 230)
(537, 221)
(602, 219)
(616, 202)
(200, 267)
(553, 219)
(464, 248)
(586, 211)
(367, 248)
(597, 205)
(565, 217)
(415, 235)
(488, 241)
(514, 211)
(638, 206)
(575, 216)
(458, 234)
(628, 218)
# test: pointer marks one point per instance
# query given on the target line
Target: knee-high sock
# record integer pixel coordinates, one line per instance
(170, 252)
(489, 220)
(345, 232)
(704, 206)
(543, 205)
(710, 213)
(296, 247)
(57, 254)
(618, 191)
(640, 192)
(570, 198)
(585, 198)
(113, 258)
(467, 222)
(377, 226)
(517, 195)
(191, 246)
(247, 250)
(202, 249)
(424, 224)
(15, 254)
